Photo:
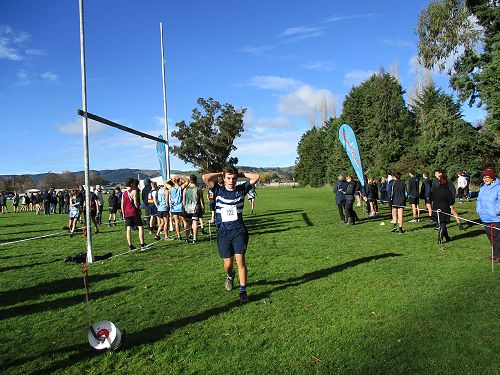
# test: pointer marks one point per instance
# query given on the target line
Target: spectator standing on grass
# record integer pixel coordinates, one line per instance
(15, 202)
(194, 204)
(442, 201)
(162, 199)
(113, 205)
(425, 192)
(151, 205)
(372, 197)
(23, 202)
(147, 200)
(488, 209)
(462, 184)
(118, 192)
(467, 186)
(398, 199)
(349, 200)
(132, 212)
(94, 208)
(100, 199)
(338, 189)
(251, 197)
(176, 186)
(383, 190)
(74, 211)
(232, 235)
(437, 173)
(413, 195)
(3, 203)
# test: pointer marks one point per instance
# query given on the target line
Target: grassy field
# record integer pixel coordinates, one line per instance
(324, 298)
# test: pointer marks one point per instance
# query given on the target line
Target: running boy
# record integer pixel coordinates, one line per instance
(232, 235)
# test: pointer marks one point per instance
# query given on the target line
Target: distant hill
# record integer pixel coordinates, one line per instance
(116, 176)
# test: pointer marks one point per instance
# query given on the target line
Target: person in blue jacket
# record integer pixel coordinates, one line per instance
(488, 209)
(338, 189)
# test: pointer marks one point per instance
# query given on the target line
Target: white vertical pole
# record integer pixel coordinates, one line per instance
(85, 126)
(164, 100)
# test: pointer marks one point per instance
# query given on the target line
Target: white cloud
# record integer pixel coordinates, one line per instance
(75, 127)
(321, 66)
(303, 100)
(34, 52)
(300, 30)
(355, 77)
(337, 18)
(256, 51)
(23, 77)
(10, 43)
(398, 42)
(273, 82)
(49, 77)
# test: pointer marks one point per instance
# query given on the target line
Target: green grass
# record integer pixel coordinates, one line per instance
(324, 298)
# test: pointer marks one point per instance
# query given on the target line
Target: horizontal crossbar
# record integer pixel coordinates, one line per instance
(118, 126)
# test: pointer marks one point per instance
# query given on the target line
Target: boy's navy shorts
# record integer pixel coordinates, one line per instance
(232, 241)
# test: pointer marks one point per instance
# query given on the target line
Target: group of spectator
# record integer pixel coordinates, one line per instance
(439, 195)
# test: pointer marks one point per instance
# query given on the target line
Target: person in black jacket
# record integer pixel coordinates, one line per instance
(372, 196)
(338, 189)
(349, 200)
(425, 192)
(398, 199)
(442, 201)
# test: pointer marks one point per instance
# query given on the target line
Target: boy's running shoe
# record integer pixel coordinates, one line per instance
(243, 297)
(229, 281)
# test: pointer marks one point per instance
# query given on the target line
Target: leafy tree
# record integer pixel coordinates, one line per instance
(449, 28)
(310, 166)
(207, 141)
(377, 113)
(266, 178)
(337, 162)
(445, 140)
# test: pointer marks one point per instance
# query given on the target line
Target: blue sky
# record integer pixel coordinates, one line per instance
(278, 59)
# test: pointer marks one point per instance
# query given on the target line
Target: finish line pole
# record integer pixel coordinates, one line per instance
(85, 126)
(164, 100)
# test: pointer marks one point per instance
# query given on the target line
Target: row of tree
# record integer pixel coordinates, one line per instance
(428, 134)
(429, 131)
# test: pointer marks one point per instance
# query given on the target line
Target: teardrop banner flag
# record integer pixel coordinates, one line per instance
(162, 158)
(348, 139)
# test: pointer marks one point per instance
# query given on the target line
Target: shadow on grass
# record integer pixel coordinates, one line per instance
(11, 268)
(20, 255)
(153, 334)
(306, 219)
(35, 308)
(16, 296)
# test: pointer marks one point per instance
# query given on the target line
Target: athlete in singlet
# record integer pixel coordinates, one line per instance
(132, 213)
(194, 205)
(232, 235)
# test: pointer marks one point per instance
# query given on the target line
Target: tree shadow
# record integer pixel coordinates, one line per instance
(10, 268)
(153, 334)
(57, 304)
(13, 297)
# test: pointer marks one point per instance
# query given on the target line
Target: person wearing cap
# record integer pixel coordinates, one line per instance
(488, 209)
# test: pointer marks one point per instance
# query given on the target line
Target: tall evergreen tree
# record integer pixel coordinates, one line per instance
(310, 169)
(377, 113)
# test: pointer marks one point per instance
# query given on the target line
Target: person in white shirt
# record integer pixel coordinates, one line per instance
(462, 184)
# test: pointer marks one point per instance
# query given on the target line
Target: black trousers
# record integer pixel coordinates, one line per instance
(349, 211)
(341, 208)
(494, 237)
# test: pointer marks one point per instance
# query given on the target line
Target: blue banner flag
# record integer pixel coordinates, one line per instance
(348, 140)
(162, 158)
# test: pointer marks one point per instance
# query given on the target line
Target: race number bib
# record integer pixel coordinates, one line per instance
(229, 213)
